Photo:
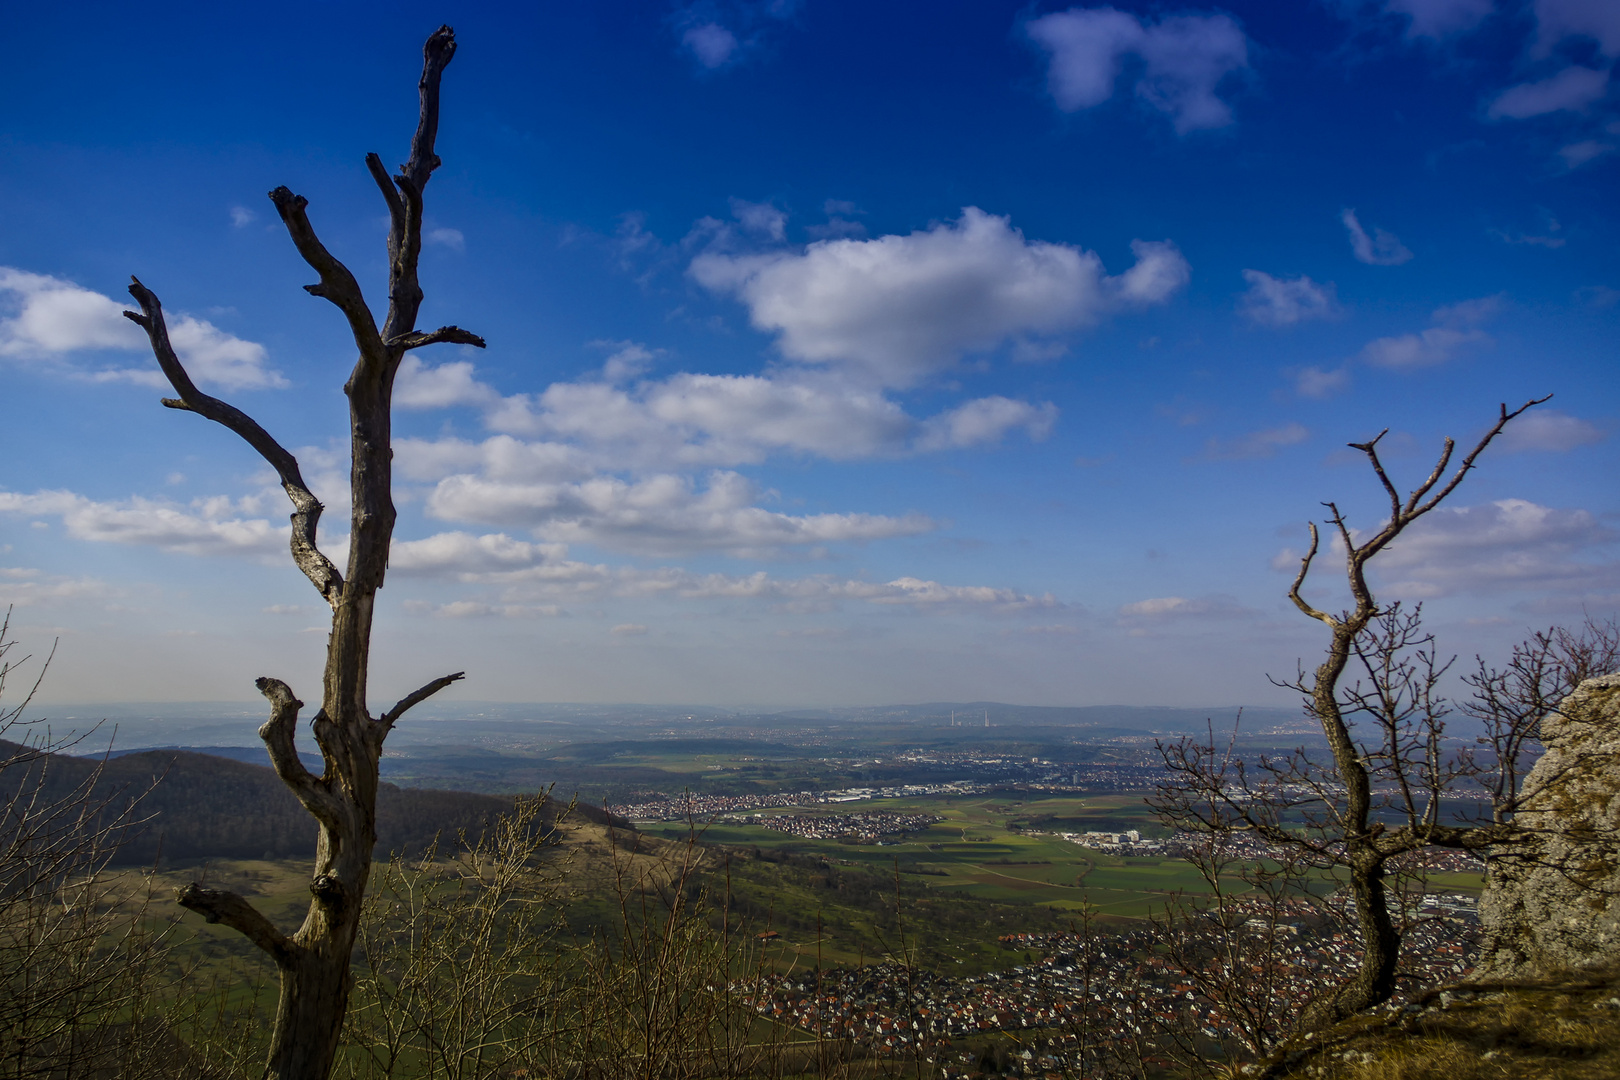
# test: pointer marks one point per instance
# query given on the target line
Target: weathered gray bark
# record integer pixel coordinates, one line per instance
(314, 960)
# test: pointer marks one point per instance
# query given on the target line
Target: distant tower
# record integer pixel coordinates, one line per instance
(987, 718)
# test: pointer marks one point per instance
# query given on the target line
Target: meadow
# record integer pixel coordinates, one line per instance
(1000, 847)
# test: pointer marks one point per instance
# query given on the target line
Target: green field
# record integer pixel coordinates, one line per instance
(989, 847)
(997, 847)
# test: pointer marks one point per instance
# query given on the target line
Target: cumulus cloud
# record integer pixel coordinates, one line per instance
(529, 572)
(1556, 20)
(1455, 327)
(446, 237)
(1215, 606)
(1509, 544)
(215, 526)
(1551, 430)
(1274, 301)
(1182, 58)
(468, 554)
(1573, 88)
(50, 319)
(987, 420)
(1381, 248)
(691, 420)
(897, 309)
(418, 386)
(1256, 444)
(660, 514)
(1438, 19)
(22, 586)
(711, 43)
(719, 33)
(1319, 383)
(1577, 154)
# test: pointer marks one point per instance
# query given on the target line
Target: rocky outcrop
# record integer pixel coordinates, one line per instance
(1552, 902)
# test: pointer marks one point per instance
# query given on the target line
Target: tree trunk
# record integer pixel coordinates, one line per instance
(314, 960)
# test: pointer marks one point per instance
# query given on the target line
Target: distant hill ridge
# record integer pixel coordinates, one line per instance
(197, 805)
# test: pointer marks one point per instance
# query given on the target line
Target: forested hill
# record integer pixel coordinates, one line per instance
(201, 806)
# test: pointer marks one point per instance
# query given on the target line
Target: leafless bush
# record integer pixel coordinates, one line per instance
(79, 963)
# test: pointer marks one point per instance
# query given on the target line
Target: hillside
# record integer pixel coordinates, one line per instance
(195, 806)
(1565, 1028)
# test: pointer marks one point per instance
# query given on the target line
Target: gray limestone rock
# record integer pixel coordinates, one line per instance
(1553, 902)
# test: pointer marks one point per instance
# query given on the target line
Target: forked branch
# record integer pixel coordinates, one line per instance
(277, 733)
(337, 284)
(222, 906)
(307, 508)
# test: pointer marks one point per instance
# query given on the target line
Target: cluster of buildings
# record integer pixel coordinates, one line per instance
(703, 807)
(1088, 989)
(868, 826)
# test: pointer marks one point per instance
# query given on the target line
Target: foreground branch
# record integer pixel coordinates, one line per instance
(222, 906)
(277, 733)
(306, 515)
(453, 335)
(416, 697)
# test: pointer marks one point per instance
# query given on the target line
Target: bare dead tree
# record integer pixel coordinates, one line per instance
(1378, 796)
(1509, 703)
(314, 960)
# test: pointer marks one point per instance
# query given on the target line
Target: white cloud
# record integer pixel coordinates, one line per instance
(711, 43)
(1441, 18)
(628, 360)
(1560, 19)
(467, 554)
(1317, 383)
(1380, 249)
(760, 218)
(740, 417)
(987, 420)
(1507, 544)
(474, 609)
(49, 319)
(687, 420)
(213, 526)
(418, 386)
(1285, 301)
(1456, 327)
(1573, 88)
(1549, 429)
(1183, 60)
(629, 630)
(500, 456)
(1577, 154)
(1215, 606)
(527, 572)
(447, 237)
(657, 515)
(242, 217)
(1426, 348)
(897, 309)
(22, 587)
(1256, 444)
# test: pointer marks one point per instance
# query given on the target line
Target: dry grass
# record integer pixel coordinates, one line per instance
(1565, 1029)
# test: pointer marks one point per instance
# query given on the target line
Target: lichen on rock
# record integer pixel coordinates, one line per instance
(1552, 898)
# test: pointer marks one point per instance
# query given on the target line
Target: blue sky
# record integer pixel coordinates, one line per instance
(838, 353)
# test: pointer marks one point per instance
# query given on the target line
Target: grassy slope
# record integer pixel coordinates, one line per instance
(1565, 1028)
